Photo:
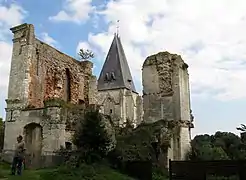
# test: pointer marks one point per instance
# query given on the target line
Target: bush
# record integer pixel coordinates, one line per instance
(159, 174)
(91, 137)
(137, 144)
(86, 172)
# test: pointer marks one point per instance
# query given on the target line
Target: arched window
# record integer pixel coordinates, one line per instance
(81, 102)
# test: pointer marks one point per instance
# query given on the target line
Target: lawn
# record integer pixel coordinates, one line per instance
(86, 172)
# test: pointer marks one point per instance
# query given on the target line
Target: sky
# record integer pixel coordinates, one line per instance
(209, 35)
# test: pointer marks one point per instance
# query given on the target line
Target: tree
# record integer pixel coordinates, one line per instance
(220, 146)
(242, 128)
(91, 136)
(1, 133)
(85, 54)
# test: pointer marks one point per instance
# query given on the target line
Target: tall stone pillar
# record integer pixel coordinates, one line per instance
(166, 96)
(19, 82)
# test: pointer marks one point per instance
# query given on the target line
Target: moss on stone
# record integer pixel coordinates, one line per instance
(57, 102)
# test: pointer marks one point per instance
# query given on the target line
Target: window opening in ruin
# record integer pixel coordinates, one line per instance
(111, 111)
(178, 147)
(11, 115)
(68, 145)
(68, 86)
(81, 101)
(37, 53)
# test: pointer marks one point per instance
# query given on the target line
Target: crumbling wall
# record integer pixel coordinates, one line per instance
(56, 75)
(158, 74)
(166, 96)
(40, 72)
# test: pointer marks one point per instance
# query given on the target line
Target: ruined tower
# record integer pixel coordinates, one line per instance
(166, 96)
(116, 90)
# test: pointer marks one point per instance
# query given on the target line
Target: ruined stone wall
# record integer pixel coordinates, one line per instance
(139, 110)
(93, 93)
(60, 75)
(19, 79)
(166, 88)
(158, 89)
(166, 96)
(51, 138)
(40, 72)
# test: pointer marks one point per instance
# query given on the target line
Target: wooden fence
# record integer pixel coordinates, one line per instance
(207, 170)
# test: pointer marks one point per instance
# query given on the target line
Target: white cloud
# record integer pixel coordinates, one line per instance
(9, 16)
(5, 58)
(209, 35)
(49, 40)
(76, 11)
(83, 45)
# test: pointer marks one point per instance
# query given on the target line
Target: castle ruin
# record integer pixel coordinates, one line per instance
(40, 74)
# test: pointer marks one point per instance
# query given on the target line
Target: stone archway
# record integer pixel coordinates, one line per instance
(33, 140)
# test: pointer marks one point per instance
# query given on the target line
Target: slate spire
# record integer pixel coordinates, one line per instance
(115, 73)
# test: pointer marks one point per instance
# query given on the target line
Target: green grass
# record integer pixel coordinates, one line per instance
(85, 172)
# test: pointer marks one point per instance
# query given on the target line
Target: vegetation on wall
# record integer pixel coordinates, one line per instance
(92, 140)
(58, 102)
(85, 54)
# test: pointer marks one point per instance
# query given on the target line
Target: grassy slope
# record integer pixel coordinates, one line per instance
(86, 172)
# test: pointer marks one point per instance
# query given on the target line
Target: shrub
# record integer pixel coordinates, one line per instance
(86, 172)
(91, 137)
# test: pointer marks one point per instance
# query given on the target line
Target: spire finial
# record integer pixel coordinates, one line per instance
(117, 28)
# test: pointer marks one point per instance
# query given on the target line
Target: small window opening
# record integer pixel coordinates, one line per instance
(106, 77)
(111, 111)
(68, 145)
(129, 80)
(81, 102)
(113, 75)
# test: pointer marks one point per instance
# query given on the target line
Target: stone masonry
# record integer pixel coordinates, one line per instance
(117, 95)
(166, 96)
(40, 73)
(42, 77)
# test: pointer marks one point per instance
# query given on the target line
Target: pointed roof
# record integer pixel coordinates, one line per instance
(115, 73)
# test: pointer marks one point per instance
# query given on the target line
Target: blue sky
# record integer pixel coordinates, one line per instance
(209, 35)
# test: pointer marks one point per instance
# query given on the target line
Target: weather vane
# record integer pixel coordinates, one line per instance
(117, 27)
